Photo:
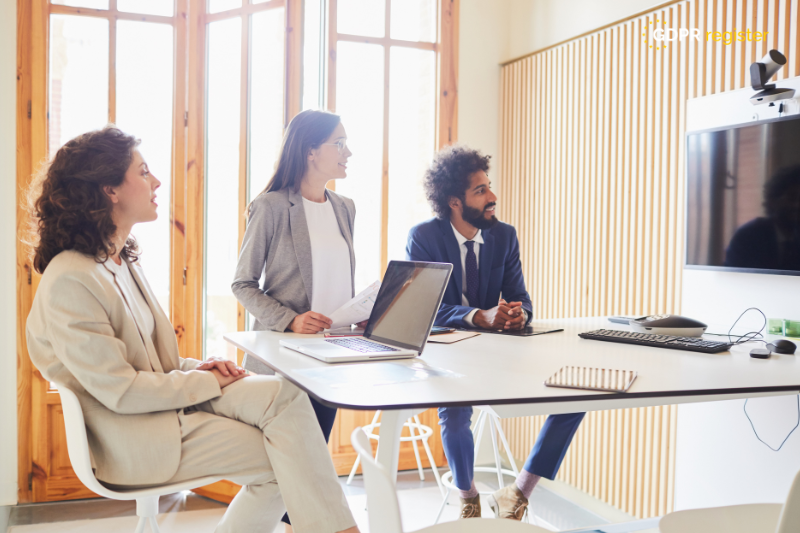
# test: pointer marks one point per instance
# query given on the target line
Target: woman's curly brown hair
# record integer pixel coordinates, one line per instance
(67, 207)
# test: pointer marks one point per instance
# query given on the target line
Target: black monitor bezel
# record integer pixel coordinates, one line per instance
(716, 268)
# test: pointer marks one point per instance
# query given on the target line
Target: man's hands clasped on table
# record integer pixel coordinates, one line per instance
(225, 371)
(507, 316)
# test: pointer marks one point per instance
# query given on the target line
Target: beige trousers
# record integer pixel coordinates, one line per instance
(263, 434)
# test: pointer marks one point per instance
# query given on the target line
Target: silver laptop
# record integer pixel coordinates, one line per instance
(401, 319)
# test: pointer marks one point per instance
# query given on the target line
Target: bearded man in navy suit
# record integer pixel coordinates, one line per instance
(486, 290)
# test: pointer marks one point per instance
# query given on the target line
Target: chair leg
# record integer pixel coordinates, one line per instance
(444, 502)
(495, 447)
(431, 461)
(479, 425)
(416, 448)
(140, 525)
(353, 471)
(508, 450)
(146, 510)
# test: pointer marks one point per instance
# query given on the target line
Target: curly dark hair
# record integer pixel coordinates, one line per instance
(67, 207)
(449, 175)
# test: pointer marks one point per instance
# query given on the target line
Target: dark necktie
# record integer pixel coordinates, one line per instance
(471, 267)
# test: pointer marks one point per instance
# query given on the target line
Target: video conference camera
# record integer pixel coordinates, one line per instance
(760, 74)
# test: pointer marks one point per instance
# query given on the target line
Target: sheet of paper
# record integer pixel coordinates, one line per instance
(356, 309)
(450, 338)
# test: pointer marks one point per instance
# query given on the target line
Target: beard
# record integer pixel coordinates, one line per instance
(475, 217)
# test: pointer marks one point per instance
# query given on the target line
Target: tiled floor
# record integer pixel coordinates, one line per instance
(188, 513)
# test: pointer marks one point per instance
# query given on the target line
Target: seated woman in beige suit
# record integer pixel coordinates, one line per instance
(153, 417)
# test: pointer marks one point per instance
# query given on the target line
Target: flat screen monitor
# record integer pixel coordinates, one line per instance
(743, 198)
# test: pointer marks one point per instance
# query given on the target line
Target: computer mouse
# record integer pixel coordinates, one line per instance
(680, 326)
(782, 346)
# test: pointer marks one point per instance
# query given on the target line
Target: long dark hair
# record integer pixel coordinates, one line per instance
(307, 131)
(67, 207)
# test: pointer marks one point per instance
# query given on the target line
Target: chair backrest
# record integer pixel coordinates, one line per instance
(382, 507)
(78, 443)
(789, 522)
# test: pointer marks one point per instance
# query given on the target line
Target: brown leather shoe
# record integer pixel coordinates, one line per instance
(508, 502)
(471, 507)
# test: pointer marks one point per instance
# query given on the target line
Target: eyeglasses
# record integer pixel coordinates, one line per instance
(341, 145)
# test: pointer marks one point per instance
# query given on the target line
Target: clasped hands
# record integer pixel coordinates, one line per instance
(507, 316)
(225, 371)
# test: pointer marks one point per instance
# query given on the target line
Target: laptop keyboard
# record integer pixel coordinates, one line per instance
(361, 345)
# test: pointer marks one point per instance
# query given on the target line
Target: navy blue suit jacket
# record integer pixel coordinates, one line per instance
(499, 267)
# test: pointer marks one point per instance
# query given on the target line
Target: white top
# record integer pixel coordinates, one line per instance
(331, 280)
(478, 240)
(133, 295)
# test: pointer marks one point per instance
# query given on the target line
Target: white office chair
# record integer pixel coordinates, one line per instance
(417, 432)
(750, 518)
(384, 512)
(78, 448)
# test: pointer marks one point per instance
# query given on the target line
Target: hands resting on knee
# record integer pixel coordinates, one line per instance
(225, 371)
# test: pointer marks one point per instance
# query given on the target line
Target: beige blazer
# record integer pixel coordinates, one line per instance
(82, 335)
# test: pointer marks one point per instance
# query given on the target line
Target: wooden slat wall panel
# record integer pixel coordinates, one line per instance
(590, 172)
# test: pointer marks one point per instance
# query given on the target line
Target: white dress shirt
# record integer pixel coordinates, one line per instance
(478, 240)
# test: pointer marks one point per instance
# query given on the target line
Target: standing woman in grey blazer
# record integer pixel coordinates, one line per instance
(153, 417)
(299, 238)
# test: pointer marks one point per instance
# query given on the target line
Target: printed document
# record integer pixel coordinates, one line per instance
(357, 309)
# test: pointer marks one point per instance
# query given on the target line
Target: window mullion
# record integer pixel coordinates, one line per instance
(244, 143)
(112, 61)
(385, 176)
(177, 288)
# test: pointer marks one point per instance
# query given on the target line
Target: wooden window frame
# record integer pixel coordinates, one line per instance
(188, 157)
(446, 49)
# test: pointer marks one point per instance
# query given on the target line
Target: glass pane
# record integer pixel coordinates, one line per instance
(215, 6)
(266, 96)
(93, 4)
(148, 7)
(144, 109)
(258, 1)
(222, 178)
(412, 123)
(359, 101)
(414, 20)
(78, 91)
(313, 54)
(361, 17)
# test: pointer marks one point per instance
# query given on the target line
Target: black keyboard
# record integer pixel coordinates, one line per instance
(361, 345)
(692, 344)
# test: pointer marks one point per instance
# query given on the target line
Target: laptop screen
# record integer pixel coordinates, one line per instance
(407, 303)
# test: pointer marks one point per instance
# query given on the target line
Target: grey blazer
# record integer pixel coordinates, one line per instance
(276, 245)
(82, 335)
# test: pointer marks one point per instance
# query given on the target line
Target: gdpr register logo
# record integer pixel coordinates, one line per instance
(658, 37)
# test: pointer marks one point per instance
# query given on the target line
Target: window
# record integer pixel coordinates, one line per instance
(244, 127)
(112, 66)
(383, 80)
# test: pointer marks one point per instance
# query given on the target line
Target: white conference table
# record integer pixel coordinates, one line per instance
(507, 374)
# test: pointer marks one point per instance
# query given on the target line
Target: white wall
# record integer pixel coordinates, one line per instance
(483, 45)
(8, 243)
(537, 24)
(719, 461)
